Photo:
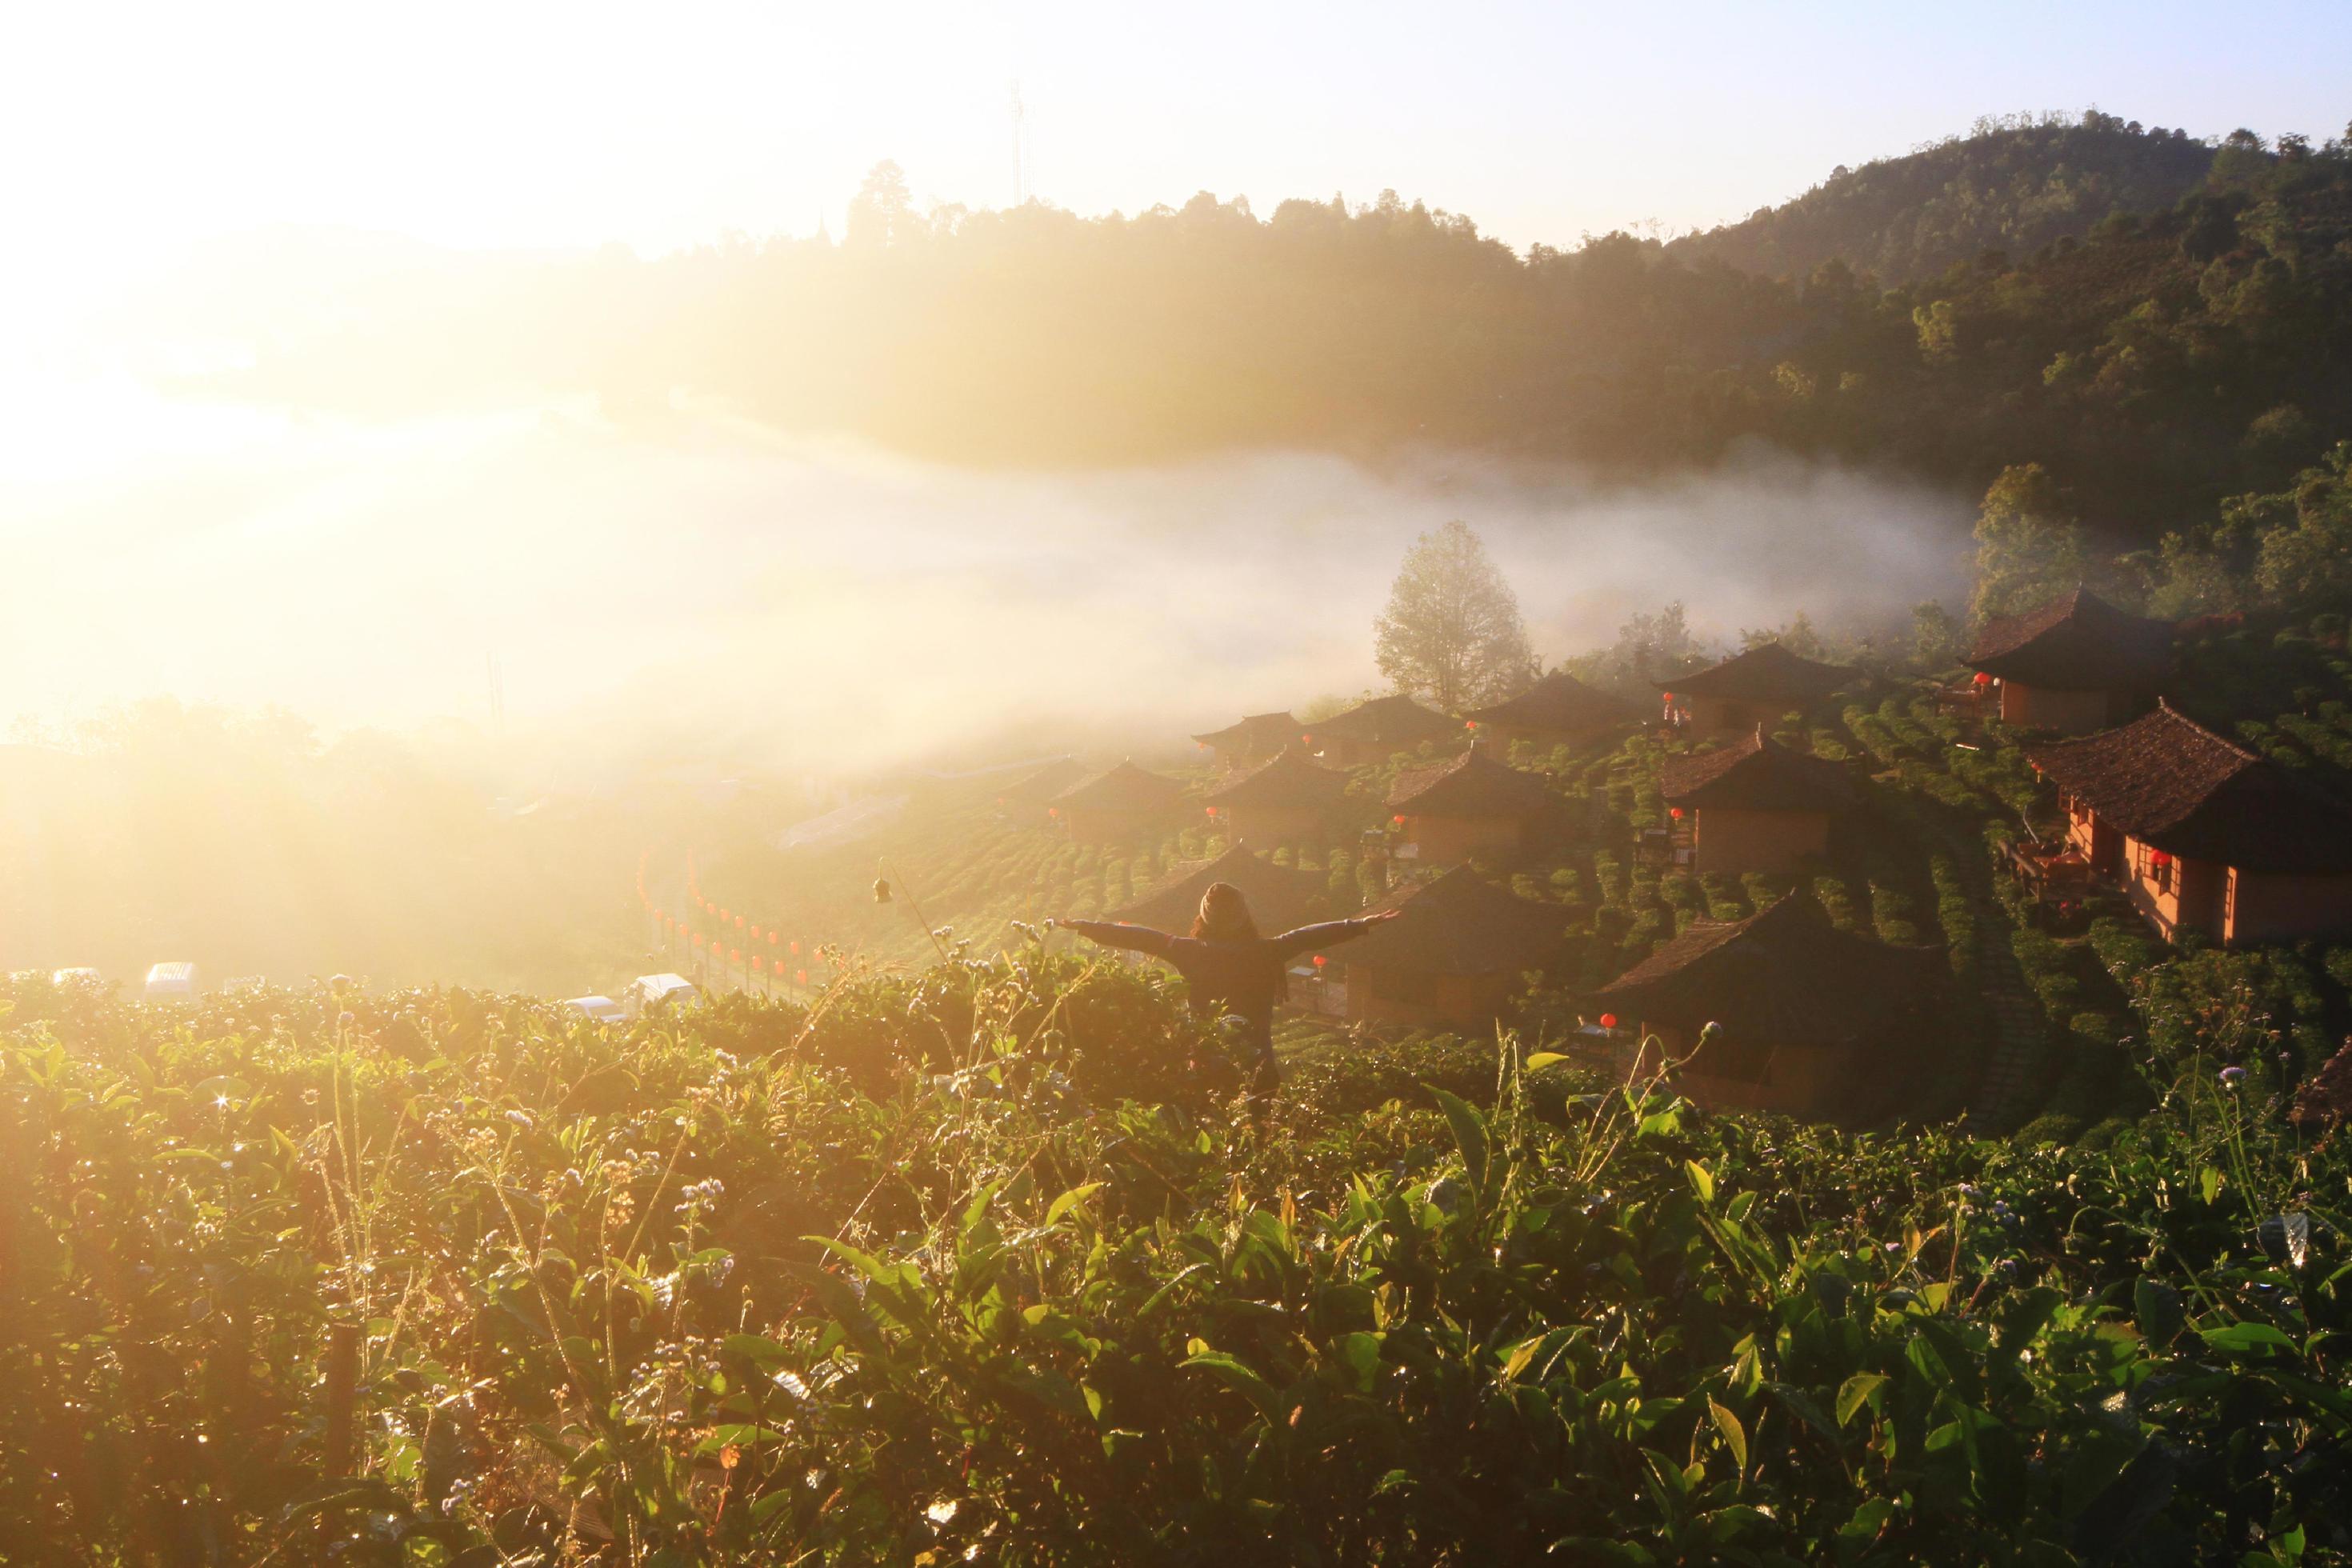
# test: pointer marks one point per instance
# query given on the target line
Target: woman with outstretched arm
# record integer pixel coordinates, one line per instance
(1231, 969)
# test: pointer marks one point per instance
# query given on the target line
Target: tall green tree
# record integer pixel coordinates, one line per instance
(1451, 631)
(2029, 546)
(883, 212)
(1936, 639)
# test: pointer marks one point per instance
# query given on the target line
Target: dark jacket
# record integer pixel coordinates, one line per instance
(1242, 978)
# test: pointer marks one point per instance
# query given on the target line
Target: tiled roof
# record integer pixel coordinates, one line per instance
(1125, 786)
(1280, 897)
(1757, 773)
(1397, 721)
(2169, 782)
(1258, 733)
(1459, 924)
(1284, 779)
(1472, 784)
(2076, 642)
(1768, 672)
(1558, 702)
(1782, 976)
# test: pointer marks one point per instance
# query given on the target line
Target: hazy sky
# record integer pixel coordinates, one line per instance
(129, 130)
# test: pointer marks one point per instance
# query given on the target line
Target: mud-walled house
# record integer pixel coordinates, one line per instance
(1376, 730)
(1283, 800)
(1756, 804)
(2202, 835)
(1812, 1020)
(1750, 689)
(1557, 710)
(1453, 957)
(1470, 805)
(2074, 664)
(1119, 803)
(1252, 740)
(1280, 897)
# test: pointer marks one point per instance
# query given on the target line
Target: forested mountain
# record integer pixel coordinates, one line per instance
(2160, 363)
(2012, 185)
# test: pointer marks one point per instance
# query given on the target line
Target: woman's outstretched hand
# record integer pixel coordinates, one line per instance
(1377, 916)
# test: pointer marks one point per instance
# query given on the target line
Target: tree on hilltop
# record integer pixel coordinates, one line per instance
(1451, 631)
(883, 212)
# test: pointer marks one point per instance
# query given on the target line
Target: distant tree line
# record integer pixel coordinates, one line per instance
(2013, 185)
(2152, 363)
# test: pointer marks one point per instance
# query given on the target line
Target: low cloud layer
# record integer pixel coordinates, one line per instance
(828, 607)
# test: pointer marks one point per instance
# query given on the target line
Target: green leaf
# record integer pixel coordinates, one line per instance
(1469, 1133)
(2239, 1339)
(867, 1263)
(2209, 1185)
(742, 1434)
(1361, 1353)
(2028, 1316)
(1702, 1180)
(1070, 1200)
(1240, 1378)
(758, 1349)
(1735, 1435)
(1856, 1392)
(1544, 1059)
(1162, 1293)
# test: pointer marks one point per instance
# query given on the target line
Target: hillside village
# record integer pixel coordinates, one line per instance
(1893, 891)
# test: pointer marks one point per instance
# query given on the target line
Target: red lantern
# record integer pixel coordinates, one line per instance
(799, 976)
(796, 950)
(1053, 811)
(755, 934)
(1472, 722)
(1983, 679)
(773, 938)
(1212, 811)
(698, 941)
(1677, 812)
(758, 964)
(1608, 1020)
(1318, 960)
(1397, 819)
(2159, 859)
(1305, 739)
(1669, 696)
(738, 922)
(734, 955)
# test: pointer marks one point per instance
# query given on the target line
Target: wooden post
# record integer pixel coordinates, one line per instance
(342, 1392)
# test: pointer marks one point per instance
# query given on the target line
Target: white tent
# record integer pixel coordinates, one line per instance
(653, 991)
(168, 981)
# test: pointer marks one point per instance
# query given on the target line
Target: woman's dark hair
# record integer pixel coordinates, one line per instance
(1224, 915)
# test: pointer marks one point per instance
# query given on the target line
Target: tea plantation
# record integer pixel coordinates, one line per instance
(988, 1263)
